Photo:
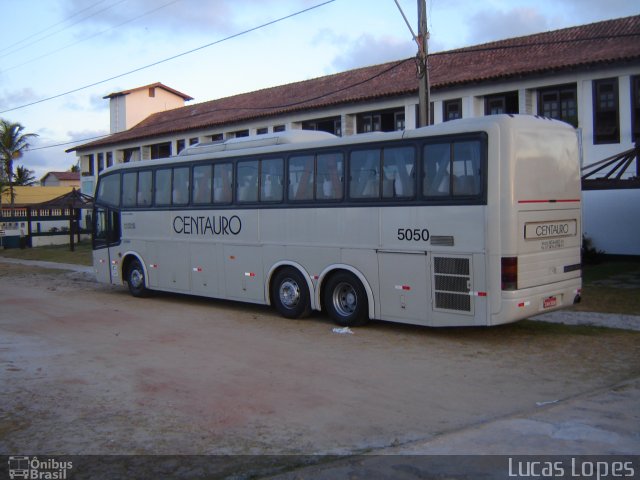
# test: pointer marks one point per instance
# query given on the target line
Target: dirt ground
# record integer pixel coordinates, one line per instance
(87, 369)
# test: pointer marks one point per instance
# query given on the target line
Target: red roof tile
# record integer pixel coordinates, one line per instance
(612, 41)
(64, 176)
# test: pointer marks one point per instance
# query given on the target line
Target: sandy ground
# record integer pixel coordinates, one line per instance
(87, 369)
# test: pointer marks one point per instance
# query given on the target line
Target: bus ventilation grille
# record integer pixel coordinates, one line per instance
(452, 280)
(442, 241)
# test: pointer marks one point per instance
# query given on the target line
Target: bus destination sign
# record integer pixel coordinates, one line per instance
(555, 229)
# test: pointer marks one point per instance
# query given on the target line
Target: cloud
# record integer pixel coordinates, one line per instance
(177, 16)
(370, 50)
(9, 99)
(490, 25)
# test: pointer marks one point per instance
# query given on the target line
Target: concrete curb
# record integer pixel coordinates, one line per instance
(54, 265)
(610, 320)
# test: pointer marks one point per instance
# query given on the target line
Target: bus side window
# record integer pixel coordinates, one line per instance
(436, 180)
(144, 188)
(398, 167)
(330, 176)
(364, 174)
(271, 184)
(129, 185)
(301, 178)
(202, 179)
(247, 181)
(180, 194)
(109, 190)
(466, 168)
(163, 186)
(222, 182)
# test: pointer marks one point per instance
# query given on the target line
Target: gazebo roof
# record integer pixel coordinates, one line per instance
(73, 199)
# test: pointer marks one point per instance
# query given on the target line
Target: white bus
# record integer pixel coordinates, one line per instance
(469, 222)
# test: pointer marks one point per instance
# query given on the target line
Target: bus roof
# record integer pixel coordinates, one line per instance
(309, 139)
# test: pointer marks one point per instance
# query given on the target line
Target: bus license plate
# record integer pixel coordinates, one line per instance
(549, 302)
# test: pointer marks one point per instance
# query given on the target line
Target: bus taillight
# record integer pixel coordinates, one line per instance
(509, 273)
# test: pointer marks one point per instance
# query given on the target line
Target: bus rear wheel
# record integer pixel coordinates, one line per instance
(290, 294)
(136, 279)
(345, 300)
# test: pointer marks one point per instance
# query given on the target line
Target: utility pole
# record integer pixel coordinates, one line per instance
(423, 64)
(422, 60)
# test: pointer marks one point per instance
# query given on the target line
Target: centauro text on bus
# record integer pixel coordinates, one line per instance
(469, 222)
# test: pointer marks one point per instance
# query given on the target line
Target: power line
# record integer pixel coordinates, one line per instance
(68, 143)
(270, 107)
(149, 12)
(235, 35)
(28, 37)
(62, 29)
(395, 65)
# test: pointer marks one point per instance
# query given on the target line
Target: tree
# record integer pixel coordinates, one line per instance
(13, 143)
(24, 176)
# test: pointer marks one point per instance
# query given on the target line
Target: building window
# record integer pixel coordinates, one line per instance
(218, 137)
(100, 162)
(262, 131)
(635, 109)
(193, 141)
(332, 125)
(431, 114)
(606, 118)
(180, 144)
(160, 150)
(452, 109)
(501, 103)
(559, 102)
(130, 154)
(109, 159)
(279, 128)
(91, 166)
(381, 121)
(152, 92)
(238, 134)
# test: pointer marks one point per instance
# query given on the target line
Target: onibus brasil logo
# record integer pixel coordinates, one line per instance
(38, 469)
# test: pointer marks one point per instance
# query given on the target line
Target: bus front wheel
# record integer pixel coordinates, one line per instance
(345, 299)
(290, 294)
(136, 279)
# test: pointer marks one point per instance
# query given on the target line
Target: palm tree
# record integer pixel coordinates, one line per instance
(24, 176)
(13, 143)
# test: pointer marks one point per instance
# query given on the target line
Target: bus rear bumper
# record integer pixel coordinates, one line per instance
(521, 304)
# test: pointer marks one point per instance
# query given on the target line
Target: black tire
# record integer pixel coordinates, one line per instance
(136, 280)
(345, 299)
(290, 294)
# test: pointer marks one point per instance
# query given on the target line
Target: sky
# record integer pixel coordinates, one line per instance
(96, 47)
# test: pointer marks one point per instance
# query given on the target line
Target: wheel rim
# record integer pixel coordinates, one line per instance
(289, 293)
(136, 278)
(345, 299)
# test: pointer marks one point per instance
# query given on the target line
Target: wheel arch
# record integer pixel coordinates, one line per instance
(126, 260)
(332, 270)
(276, 267)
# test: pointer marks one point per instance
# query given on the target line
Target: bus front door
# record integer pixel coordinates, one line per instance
(106, 234)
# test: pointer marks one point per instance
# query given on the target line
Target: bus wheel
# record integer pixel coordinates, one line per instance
(346, 300)
(136, 280)
(290, 294)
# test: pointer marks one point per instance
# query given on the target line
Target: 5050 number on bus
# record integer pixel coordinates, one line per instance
(413, 234)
